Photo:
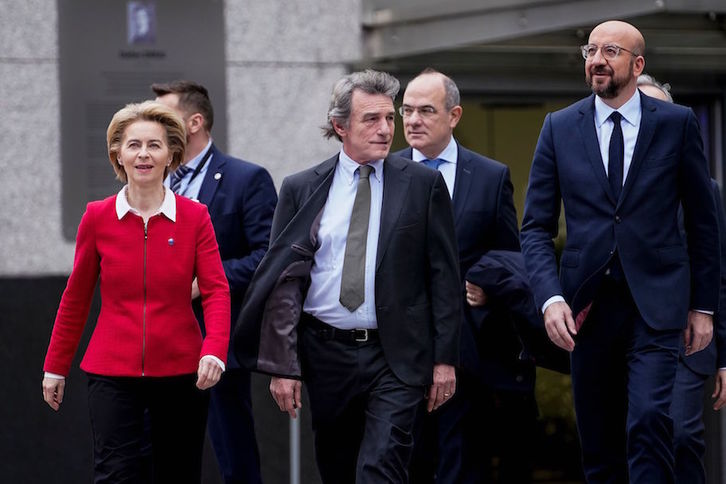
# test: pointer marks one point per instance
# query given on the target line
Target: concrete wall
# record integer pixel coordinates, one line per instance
(30, 196)
(282, 60)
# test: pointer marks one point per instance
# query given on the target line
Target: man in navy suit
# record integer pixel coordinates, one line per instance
(495, 387)
(367, 361)
(241, 199)
(628, 281)
(694, 370)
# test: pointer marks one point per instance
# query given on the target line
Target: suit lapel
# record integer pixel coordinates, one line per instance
(395, 188)
(592, 145)
(215, 173)
(462, 182)
(645, 136)
(312, 198)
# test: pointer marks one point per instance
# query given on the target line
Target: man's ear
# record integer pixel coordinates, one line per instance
(195, 122)
(455, 116)
(339, 128)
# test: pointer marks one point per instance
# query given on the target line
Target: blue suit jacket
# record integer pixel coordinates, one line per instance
(706, 362)
(241, 199)
(485, 220)
(665, 275)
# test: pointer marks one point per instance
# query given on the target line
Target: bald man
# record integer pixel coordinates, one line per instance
(628, 281)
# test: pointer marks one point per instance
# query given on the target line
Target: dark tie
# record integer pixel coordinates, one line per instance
(352, 284)
(175, 179)
(435, 163)
(616, 156)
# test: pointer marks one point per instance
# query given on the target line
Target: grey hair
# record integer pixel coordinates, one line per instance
(648, 80)
(368, 81)
(451, 90)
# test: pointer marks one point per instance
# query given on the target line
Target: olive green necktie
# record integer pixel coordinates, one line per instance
(352, 284)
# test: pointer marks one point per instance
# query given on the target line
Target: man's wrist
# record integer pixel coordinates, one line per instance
(552, 300)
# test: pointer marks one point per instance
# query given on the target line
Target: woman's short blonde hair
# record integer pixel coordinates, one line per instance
(176, 137)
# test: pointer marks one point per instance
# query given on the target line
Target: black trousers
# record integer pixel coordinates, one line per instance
(362, 414)
(177, 415)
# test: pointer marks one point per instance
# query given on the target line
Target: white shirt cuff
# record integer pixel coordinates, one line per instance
(53, 375)
(703, 311)
(214, 359)
(551, 300)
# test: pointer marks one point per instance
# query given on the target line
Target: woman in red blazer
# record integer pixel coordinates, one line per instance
(147, 355)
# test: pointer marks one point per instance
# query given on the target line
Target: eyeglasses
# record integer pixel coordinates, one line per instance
(424, 111)
(608, 51)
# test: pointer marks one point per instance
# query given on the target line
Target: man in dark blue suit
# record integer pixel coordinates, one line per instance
(241, 199)
(694, 370)
(628, 282)
(495, 385)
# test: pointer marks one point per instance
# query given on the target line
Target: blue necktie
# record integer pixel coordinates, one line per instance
(175, 179)
(435, 163)
(616, 156)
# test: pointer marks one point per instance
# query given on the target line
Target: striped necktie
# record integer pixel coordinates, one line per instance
(175, 179)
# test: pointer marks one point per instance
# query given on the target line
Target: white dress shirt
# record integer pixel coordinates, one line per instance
(190, 188)
(630, 124)
(322, 299)
(448, 169)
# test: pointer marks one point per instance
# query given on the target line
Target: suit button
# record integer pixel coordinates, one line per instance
(618, 219)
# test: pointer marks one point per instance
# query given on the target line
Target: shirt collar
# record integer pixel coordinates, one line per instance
(449, 154)
(348, 167)
(630, 110)
(194, 162)
(167, 208)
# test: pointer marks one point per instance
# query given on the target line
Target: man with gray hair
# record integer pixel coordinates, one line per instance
(689, 443)
(350, 301)
(650, 87)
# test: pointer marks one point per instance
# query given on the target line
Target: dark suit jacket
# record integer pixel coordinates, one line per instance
(502, 276)
(485, 219)
(241, 199)
(707, 361)
(668, 169)
(417, 286)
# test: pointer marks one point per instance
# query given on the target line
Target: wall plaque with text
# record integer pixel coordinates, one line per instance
(111, 51)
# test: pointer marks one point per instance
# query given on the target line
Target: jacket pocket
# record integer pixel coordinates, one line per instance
(570, 258)
(672, 255)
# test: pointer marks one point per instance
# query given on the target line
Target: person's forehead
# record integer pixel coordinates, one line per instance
(614, 33)
(363, 101)
(653, 91)
(426, 86)
(143, 127)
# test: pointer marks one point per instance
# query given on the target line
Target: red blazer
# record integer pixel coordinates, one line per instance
(146, 326)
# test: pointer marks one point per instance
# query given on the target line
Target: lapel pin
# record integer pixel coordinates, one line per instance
(171, 241)
(217, 176)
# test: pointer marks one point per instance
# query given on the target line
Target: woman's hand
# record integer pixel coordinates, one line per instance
(208, 373)
(53, 389)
